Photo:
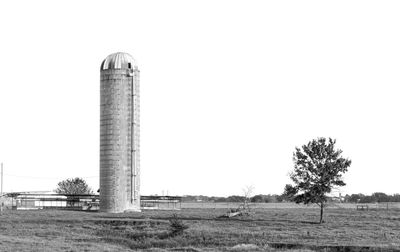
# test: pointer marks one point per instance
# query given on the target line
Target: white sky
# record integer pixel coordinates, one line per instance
(228, 89)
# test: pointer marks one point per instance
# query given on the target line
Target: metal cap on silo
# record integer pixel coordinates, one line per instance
(119, 60)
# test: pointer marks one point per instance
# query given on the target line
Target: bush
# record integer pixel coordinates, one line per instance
(176, 225)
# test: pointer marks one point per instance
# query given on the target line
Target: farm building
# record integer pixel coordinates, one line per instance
(30, 201)
(78, 202)
(161, 202)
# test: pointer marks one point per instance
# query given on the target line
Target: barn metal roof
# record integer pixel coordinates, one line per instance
(119, 60)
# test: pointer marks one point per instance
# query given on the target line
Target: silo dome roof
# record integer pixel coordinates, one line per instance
(119, 60)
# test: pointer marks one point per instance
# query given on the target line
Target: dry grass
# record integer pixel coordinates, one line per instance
(264, 230)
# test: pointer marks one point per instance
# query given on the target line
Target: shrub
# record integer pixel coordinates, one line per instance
(176, 225)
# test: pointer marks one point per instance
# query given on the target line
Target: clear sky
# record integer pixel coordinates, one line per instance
(228, 90)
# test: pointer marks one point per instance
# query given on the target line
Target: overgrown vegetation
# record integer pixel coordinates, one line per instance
(176, 225)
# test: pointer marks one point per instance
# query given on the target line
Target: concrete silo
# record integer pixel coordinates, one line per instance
(119, 134)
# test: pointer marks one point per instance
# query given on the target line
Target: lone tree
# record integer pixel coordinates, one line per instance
(73, 186)
(318, 167)
(247, 193)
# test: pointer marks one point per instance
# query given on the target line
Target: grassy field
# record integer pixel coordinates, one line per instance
(266, 229)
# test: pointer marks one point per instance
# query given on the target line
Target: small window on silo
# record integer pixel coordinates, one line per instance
(129, 65)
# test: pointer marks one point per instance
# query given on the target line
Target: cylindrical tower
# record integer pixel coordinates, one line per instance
(119, 134)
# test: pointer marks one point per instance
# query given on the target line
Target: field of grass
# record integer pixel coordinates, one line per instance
(270, 229)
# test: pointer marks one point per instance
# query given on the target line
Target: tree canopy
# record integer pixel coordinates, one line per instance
(318, 168)
(73, 186)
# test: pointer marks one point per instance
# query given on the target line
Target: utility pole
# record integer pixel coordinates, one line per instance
(1, 179)
(1, 195)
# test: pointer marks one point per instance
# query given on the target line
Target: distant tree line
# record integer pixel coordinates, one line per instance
(373, 198)
(260, 198)
(274, 198)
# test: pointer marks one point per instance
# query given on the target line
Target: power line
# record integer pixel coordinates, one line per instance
(34, 177)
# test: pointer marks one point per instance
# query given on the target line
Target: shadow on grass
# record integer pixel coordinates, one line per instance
(307, 222)
(330, 248)
(141, 239)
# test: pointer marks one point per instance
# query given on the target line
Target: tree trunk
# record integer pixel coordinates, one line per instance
(322, 213)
